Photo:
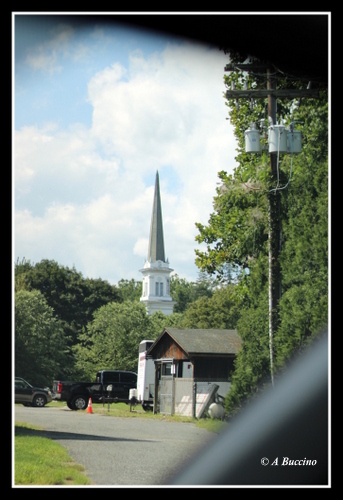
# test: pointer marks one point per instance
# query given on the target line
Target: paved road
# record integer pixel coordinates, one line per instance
(119, 451)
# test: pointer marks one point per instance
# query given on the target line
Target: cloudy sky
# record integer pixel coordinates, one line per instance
(98, 109)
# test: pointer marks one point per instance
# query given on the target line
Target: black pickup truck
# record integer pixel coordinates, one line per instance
(110, 386)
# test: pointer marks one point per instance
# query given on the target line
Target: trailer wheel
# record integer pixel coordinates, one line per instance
(79, 402)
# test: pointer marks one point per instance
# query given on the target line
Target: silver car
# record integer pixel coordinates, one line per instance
(28, 395)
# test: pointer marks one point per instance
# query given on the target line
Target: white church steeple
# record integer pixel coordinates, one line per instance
(156, 271)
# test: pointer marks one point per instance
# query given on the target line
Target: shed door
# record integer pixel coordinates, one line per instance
(167, 388)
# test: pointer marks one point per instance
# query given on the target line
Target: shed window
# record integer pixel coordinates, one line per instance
(166, 369)
(213, 368)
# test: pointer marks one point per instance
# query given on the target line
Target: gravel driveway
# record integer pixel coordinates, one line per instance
(119, 451)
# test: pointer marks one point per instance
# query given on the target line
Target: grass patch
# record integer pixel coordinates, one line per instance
(42, 461)
(211, 425)
(122, 410)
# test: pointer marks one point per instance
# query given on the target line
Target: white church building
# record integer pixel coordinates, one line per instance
(156, 271)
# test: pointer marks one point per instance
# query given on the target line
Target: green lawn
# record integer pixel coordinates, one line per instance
(41, 461)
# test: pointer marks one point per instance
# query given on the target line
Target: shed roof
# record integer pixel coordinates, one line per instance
(203, 341)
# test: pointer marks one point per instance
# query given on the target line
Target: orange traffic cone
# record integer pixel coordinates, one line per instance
(89, 407)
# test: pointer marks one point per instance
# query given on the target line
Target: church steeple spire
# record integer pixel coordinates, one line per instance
(156, 270)
(156, 240)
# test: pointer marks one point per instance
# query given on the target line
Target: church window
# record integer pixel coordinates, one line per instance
(159, 289)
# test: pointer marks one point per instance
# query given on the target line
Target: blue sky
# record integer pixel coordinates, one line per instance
(97, 111)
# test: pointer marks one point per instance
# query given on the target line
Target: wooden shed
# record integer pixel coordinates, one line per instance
(197, 355)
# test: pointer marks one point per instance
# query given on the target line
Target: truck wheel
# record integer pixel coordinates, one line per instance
(79, 402)
(39, 401)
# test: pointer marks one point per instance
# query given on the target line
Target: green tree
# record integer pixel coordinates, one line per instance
(304, 260)
(158, 321)
(21, 269)
(237, 232)
(185, 292)
(72, 297)
(96, 293)
(111, 340)
(252, 362)
(219, 311)
(41, 352)
(130, 289)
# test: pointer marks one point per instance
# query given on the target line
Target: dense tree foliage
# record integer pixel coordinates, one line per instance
(111, 340)
(185, 292)
(159, 321)
(130, 290)
(72, 297)
(304, 260)
(237, 232)
(221, 310)
(72, 300)
(40, 344)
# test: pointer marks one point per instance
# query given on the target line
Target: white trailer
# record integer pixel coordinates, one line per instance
(146, 376)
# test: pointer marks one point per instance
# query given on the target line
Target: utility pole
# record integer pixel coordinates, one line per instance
(274, 195)
(274, 232)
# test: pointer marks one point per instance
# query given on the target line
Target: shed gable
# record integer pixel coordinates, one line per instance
(168, 348)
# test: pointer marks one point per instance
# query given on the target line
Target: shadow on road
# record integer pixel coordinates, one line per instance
(22, 431)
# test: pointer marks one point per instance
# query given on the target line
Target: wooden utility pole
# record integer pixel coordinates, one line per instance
(274, 232)
(274, 195)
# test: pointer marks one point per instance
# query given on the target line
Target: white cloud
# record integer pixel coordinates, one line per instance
(141, 247)
(92, 206)
(164, 112)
